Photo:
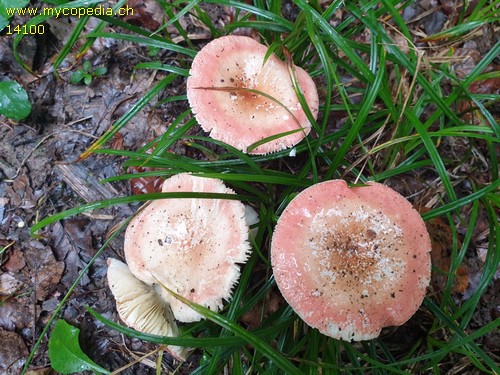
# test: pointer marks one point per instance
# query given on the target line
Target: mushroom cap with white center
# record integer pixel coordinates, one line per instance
(351, 261)
(190, 245)
(219, 76)
(140, 307)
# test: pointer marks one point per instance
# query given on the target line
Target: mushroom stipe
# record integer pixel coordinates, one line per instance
(351, 261)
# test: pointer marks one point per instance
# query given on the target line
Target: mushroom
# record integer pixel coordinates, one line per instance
(140, 307)
(351, 260)
(192, 246)
(241, 99)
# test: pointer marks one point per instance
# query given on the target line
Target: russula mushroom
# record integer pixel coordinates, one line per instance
(140, 307)
(351, 260)
(192, 246)
(224, 86)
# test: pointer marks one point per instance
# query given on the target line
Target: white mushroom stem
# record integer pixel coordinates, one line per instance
(251, 218)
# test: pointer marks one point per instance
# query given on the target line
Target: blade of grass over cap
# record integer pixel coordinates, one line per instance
(133, 199)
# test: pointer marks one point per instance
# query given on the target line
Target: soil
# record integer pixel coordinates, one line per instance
(41, 175)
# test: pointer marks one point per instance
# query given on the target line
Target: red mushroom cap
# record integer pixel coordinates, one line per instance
(241, 118)
(351, 261)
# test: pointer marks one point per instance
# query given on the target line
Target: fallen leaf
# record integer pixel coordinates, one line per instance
(8, 284)
(15, 261)
(65, 353)
(17, 313)
(21, 194)
(261, 311)
(66, 248)
(40, 371)
(471, 113)
(144, 185)
(442, 242)
(79, 232)
(46, 271)
(13, 353)
(485, 86)
(146, 14)
(117, 142)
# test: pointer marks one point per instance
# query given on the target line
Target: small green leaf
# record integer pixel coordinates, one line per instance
(65, 353)
(77, 77)
(100, 71)
(14, 101)
(153, 51)
(87, 79)
(87, 67)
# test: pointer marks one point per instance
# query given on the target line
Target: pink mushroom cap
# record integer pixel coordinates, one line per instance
(351, 261)
(193, 246)
(219, 75)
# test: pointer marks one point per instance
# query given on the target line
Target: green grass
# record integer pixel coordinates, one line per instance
(388, 131)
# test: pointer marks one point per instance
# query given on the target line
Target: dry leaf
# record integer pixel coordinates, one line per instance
(144, 185)
(13, 353)
(254, 317)
(15, 261)
(441, 239)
